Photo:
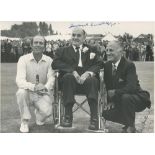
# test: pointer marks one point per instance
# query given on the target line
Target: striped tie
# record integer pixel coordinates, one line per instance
(80, 60)
(114, 69)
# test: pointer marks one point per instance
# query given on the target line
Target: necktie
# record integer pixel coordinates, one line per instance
(80, 60)
(114, 69)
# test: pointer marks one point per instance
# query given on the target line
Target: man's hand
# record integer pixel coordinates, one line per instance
(39, 87)
(109, 106)
(83, 77)
(111, 93)
(77, 76)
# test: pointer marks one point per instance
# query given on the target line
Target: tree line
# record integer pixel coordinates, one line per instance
(29, 29)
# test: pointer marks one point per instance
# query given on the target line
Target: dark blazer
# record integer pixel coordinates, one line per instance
(66, 60)
(125, 81)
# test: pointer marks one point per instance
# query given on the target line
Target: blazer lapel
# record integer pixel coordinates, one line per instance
(74, 55)
(119, 69)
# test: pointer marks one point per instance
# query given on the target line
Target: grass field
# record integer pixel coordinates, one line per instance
(10, 117)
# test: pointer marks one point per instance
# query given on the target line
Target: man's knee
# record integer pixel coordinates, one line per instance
(45, 105)
(47, 111)
(69, 76)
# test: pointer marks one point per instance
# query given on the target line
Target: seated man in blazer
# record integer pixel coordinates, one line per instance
(125, 96)
(79, 66)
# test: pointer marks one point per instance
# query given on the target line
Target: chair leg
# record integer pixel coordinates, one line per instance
(59, 111)
(55, 113)
(102, 121)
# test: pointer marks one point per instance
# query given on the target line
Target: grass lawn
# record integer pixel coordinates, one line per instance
(10, 117)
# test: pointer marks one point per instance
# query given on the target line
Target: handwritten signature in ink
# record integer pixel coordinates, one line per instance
(94, 24)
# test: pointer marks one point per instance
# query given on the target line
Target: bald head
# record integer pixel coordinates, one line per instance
(78, 36)
(116, 44)
(38, 44)
(79, 29)
(41, 38)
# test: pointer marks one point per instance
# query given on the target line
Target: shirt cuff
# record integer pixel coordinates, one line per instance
(31, 87)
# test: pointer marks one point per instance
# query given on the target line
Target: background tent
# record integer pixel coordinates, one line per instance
(57, 37)
(108, 37)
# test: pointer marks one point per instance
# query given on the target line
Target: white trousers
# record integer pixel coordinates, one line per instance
(42, 104)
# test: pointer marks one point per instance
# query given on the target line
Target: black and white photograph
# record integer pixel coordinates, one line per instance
(77, 77)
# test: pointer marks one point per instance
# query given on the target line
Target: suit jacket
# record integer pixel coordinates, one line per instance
(125, 81)
(66, 61)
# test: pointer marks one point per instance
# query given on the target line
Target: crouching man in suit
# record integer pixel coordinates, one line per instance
(125, 96)
(79, 66)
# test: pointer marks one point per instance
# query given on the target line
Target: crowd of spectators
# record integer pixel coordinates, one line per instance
(11, 50)
(139, 52)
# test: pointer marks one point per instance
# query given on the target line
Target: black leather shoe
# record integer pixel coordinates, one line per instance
(66, 123)
(131, 129)
(93, 125)
(124, 129)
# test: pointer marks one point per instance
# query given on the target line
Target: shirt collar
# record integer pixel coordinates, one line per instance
(32, 57)
(117, 63)
(80, 47)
